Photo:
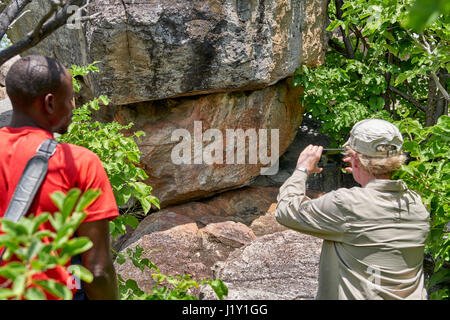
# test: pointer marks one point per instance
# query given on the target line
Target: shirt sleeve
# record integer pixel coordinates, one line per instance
(321, 217)
(92, 175)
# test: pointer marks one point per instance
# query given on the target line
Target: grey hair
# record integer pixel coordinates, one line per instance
(379, 166)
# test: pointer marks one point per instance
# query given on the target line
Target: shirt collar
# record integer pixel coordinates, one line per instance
(387, 185)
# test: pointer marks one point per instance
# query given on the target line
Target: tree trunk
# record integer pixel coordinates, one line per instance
(437, 105)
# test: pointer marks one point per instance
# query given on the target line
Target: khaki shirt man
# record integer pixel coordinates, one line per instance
(374, 236)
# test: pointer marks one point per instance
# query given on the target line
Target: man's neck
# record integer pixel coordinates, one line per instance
(20, 120)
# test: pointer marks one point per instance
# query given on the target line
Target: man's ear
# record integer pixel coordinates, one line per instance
(355, 160)
(49, 103)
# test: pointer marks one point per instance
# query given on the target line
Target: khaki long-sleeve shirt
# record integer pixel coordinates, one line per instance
(374, 237)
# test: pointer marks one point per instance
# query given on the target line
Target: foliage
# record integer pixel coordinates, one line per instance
(429, 174)
(167, 287)
(37, 248)
(423, 13)
(376, 67)
(119, 154)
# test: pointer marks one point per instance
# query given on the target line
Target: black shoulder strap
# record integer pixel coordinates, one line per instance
(30, 181)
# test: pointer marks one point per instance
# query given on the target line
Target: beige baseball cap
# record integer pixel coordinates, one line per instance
(368, 135)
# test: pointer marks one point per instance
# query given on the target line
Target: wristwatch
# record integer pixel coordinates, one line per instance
(302, 169)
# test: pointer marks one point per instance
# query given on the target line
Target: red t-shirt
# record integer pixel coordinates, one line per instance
(70, 167)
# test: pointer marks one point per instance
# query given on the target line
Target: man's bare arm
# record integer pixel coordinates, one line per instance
(98, 260)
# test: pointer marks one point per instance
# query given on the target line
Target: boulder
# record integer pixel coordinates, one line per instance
(186, 249)
(4, 68)
(267, 223)
(195, 237)
(241, 206)
(275, 107)
(279, 266)
(2, 93)
(154, 49)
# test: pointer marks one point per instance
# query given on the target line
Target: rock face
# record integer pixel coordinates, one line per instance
(274, 107)
(244, 206)
(233, 236)
(279, 266)
(191, 238)
(154, 49)
(4, 68)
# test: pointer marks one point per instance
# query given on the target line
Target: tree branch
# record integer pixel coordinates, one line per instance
(10, 13)
(408, 98)
(47, 25)
(336, 47)
(426, 46)
(348, 45)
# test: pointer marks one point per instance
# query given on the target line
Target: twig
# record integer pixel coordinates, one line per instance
(48, 24)
(426, 47)
(408, 98)
(37, 29)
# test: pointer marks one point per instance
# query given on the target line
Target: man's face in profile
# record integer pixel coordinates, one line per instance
(64, 104)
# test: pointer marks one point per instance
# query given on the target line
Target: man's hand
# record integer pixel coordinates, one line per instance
(348, 159)
(309, 158)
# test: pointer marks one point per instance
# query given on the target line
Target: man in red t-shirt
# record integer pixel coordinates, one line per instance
(42, 97)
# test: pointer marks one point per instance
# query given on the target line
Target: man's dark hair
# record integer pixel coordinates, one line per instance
(32, 77)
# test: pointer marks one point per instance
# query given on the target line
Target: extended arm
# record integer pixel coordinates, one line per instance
(320, 217)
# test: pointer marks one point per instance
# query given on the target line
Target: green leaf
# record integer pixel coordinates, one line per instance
(69, 202)
(55, 289)
(35, 294)
(439, 277)
(87, 198)
(6, 293)
(388, 35)
(76, 246)
(18, 286)
(219, 288)
(132, 221)
(132, 284)
(58, 199)
(35, 247)
(413, 147)
(333, 25)
(12, 270)
(81, 272)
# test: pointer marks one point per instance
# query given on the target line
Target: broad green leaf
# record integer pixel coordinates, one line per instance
(76, 246)
(132, 221)
(12, 270)
(6, 293)
(81, 272)
(219, 288)
(55, 289)
(86, 199)
(35, 294)
(333, 25)
(18, 286)
(34, 249)
(58, 199)
(70, 200)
